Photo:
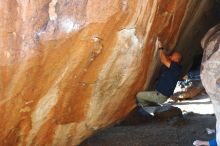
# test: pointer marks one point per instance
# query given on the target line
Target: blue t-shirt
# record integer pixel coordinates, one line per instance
(168, 79)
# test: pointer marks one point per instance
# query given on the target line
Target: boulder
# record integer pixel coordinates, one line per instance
(189, 92)
(210, 73)
(70, 68)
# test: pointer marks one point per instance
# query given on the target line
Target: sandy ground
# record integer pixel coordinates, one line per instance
(142, 131)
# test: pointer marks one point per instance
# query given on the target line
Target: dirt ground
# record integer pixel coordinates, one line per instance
(142, 131)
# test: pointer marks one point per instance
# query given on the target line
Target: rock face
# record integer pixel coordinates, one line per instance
(210, 73)
(69, 68)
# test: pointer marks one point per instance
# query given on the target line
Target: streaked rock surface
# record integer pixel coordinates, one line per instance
(210, 73)
(69, 68)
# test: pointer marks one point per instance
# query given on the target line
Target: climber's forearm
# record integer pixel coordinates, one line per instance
(164, 58)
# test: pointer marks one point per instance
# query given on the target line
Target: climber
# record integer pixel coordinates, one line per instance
(167, 80)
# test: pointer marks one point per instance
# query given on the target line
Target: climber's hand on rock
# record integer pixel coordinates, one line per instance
(160, 45)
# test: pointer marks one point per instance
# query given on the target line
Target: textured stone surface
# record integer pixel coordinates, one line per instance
(188, 92)
(210, 73)
(69, 68)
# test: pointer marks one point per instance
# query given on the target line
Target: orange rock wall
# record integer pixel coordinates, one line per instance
(69, 68)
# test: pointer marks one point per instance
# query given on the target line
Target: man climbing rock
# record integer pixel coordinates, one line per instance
(167, 80)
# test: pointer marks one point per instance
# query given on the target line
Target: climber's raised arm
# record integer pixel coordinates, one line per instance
(163, 57)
